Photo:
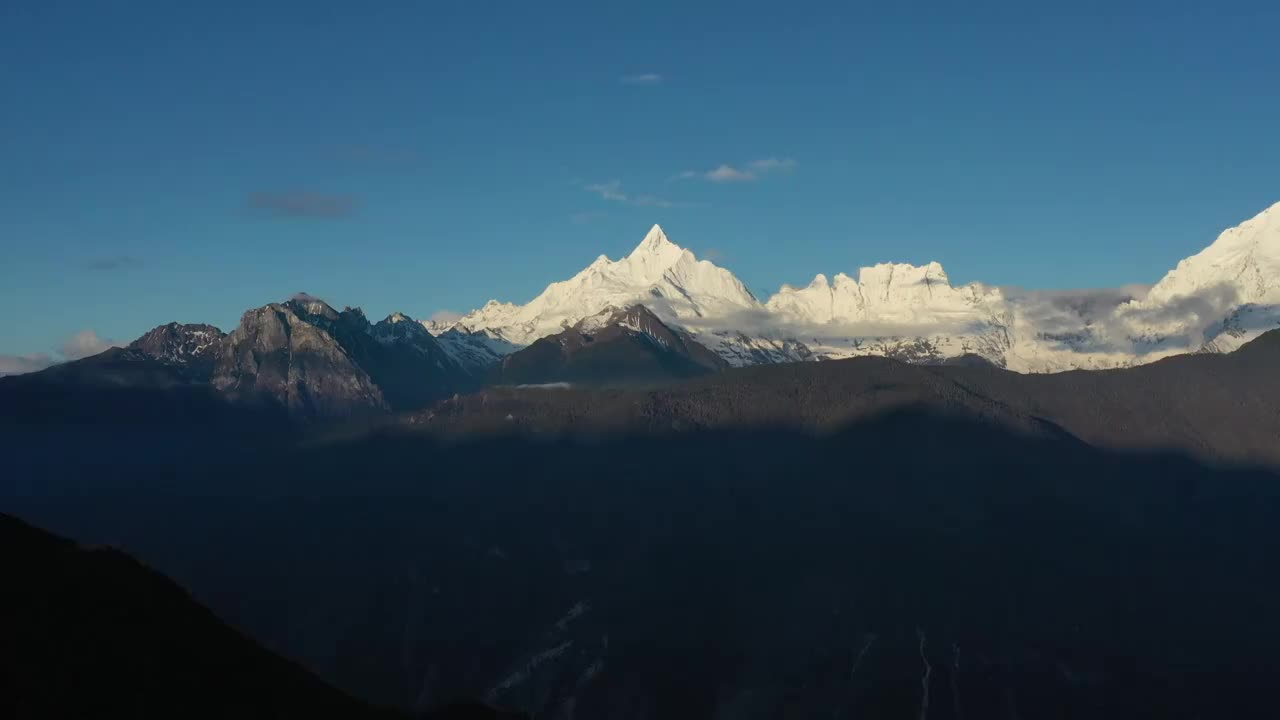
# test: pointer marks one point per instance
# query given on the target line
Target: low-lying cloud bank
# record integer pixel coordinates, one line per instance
(1095, 320)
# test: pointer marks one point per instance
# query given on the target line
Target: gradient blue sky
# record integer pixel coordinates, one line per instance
(160, 161)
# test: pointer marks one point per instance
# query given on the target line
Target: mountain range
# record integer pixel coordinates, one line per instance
(1213, 301)
(1217, 407)
(638, 496)
(661, 314)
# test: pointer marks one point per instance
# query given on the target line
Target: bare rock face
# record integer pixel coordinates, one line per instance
(318, 362)
(193, 346)
(285, 354)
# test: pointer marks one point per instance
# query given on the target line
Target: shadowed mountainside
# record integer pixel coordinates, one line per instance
(734, 573)
(90, 632)
(617, 347)
(1220, 408)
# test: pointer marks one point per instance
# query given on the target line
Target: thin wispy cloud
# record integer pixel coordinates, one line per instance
(445, 316)
(641, 79)
(612, 191)
(302, 204)
(752, 171)
(113, 262)
(729, 173)
(772, 164)
(650, 201)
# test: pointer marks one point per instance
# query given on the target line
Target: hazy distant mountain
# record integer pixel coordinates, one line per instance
(1213, 301)
(615, 346)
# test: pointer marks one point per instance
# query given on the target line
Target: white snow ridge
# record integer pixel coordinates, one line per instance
(1213, 301)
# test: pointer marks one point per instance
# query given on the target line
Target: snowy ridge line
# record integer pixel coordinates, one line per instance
(1214, 301)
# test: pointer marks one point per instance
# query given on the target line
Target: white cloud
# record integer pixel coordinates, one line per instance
(754, 170)
(764, 322)
(612, 190)
(772, 164)
(85, 343)
(445, 317)
(19, 364)
(81, 345)
(1119, 319)
(641, 79)
(729, 173)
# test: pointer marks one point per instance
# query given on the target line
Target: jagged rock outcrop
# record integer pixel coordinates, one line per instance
(289, 354)
(318, 362)
(194, 346)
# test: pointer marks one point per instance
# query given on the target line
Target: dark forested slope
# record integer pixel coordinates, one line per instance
(1223, 408)
(90, 632)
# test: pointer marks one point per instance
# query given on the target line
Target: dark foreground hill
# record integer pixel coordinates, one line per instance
(847, 539)
(92, 633)
(911, 560)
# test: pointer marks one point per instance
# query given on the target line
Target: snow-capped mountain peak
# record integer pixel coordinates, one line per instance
(1245, 258)
(887, 292)
(1226, 294)
(652, 256)
(669, 279)
(656, 242)
(400, 328)
(1214, 301)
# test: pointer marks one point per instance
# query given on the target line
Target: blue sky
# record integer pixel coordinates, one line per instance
(163, 162)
